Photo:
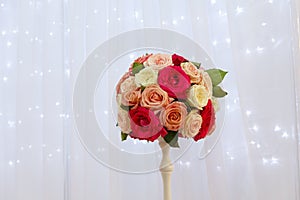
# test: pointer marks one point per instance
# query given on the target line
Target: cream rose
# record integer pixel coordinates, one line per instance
(128, 84)
(159, 61)
(124, 121)
(215, 104)
(173, 115)
(192, 71)
(154, 97)
(192, 124)
(131, 98)
(145, 77)
(197, 96)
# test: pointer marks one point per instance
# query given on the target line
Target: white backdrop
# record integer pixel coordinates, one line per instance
(43, 45)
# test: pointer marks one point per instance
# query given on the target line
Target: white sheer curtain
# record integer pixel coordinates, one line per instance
(43, 45)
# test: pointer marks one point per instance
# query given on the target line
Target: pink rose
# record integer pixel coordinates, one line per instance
(174, 115)
(145, 124)
(174, 81)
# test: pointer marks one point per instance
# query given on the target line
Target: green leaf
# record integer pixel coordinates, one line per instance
(127, 108)
(172, 138)
(142, 88)
(137, 67)
(216, 75)
(218, 92)
(198, 65)
(123, 136)
(188, 106)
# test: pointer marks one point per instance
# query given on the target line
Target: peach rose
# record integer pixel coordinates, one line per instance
(159, 61)
(131, 98)
(118, 99)
(128, 85)
(192, 71)
(123, 78)
(154, 97)
(207, 84)
(124, 121)
(197, 96)
(192, 124)
(174, 115)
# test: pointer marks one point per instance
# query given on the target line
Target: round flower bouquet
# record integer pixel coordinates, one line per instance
(163, 97)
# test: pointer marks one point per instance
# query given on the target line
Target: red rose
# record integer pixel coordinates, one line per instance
(177, 60)
(145, 124)
(174, 81)
(208, 121)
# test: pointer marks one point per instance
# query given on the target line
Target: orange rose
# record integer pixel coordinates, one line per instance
(174, 115)
(153, 97)
(131, 98)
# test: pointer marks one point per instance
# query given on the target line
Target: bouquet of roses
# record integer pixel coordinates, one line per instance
(168, 96)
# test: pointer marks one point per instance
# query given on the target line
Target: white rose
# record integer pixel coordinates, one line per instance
(159, 61)
(128, 84)
(192, 124)
(145, 77)
(197, 96)
(124, 121)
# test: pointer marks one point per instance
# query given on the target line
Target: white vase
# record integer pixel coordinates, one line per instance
(166, 168)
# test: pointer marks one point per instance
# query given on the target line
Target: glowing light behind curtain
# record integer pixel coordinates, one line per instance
(42, 46)
(33, 90)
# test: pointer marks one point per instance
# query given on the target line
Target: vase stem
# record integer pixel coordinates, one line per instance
(166, 168)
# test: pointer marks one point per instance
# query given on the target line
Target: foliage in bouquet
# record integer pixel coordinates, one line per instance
(168, 96)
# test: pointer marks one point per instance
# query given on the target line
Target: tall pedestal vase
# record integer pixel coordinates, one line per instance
(166, 168)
